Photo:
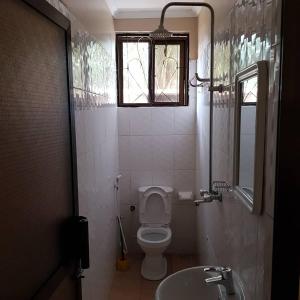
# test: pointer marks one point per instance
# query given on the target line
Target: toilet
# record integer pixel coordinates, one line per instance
(154, 234)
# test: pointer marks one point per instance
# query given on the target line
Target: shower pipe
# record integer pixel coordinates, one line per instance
(212, 88)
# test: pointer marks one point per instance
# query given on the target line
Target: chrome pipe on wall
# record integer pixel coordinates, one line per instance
(161, 32)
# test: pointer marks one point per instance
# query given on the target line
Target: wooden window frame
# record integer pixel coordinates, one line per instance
(183, 40)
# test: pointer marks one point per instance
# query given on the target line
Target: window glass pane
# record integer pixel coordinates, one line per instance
(135, 72)
(249, 90)
(167, 71)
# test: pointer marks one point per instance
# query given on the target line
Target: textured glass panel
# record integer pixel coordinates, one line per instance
(135, 72)
(249, 90)
(167, 71)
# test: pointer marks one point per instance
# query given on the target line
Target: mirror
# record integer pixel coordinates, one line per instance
(250, 114)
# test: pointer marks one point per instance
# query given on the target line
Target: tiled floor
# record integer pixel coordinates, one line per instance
(130, 285)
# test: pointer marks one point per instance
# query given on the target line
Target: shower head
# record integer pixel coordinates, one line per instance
(160, 33)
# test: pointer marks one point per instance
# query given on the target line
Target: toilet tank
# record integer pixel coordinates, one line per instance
(155, 205)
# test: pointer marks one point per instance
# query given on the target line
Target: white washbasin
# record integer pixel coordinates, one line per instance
(189, 284)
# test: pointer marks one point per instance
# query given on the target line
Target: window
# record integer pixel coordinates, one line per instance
(249, 91)
(152, 72)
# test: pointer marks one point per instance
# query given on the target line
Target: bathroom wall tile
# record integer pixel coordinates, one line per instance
(125, 187)
(164, 178)
(124, 153)
(276, 21)
(192, 68)
(184, 120)
(111, 118)
(181, 241)
(267, 28)
(249, 242)
(192, 71)
(140, 121)
(226, 231)
(80, 133)
(140, 156)
(184, 180)
(193, 103)
(264, 258)
(184, 152)
(163, 158)
(124, 121)
(162, 120)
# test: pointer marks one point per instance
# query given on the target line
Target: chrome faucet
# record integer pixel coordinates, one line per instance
(223, 277)
(206, 197)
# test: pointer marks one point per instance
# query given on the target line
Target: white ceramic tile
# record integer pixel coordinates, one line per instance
(162, 120)
(183, 229)
(86, 170)
(192, 71)
(184, 152)
(163, 152)
(80, 136)
(111, 120)
(140, 121)
(98, 124)
(125, 213)
(193, 104)
(165, 178)
(124, 153)
(125, 187)
(192, 68)
(140, 178)
(141, 157)
(184, 180)
(124, 120)
(184, 120)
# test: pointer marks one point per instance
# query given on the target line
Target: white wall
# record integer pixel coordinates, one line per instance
(97, 160)
(157, 147)
(228, 234)
(94, 87)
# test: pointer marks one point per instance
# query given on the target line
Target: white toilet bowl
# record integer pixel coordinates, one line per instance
(154, 241)
(154, 235)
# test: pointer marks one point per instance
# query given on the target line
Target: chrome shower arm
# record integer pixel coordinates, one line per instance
(211, 79)
(199, 4)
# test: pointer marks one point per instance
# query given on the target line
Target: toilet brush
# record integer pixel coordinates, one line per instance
(122, 262)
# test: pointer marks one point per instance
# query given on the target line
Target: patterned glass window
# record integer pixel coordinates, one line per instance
(249, 91)
(152, 72)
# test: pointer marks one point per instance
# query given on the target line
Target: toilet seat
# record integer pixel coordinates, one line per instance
(154, 236)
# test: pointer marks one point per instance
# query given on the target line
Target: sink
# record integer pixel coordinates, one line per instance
(189, 284)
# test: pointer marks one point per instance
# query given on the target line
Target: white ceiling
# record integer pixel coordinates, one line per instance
(122, 9)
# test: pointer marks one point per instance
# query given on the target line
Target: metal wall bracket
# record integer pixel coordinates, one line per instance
(221, 88)
(202, 81)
